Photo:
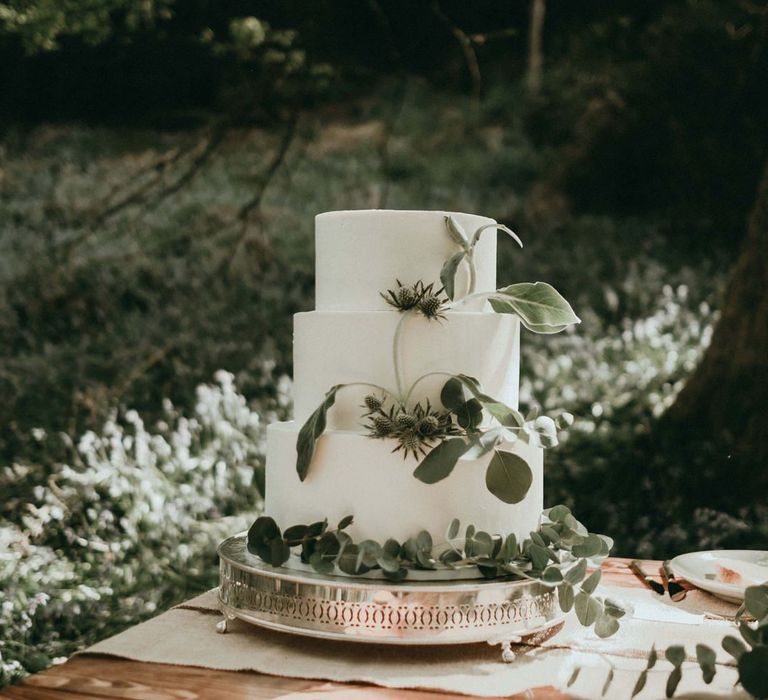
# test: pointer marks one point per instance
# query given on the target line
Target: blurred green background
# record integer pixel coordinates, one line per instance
(161, 163)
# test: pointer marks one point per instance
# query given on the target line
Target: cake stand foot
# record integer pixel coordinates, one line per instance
(222, 625)
(507, 655)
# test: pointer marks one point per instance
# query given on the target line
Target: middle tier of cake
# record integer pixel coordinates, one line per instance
(347, 347)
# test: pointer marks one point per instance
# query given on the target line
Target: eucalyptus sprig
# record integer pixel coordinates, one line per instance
(508, 476)
(467, 244)
(558, 554)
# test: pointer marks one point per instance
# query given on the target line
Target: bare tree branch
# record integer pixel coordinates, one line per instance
(467, 48)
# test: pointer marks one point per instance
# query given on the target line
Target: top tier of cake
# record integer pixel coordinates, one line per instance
(361, 253)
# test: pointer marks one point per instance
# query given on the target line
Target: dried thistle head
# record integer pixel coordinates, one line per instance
(373, 403)
(431, 301)
(403, 298)
(381, 426)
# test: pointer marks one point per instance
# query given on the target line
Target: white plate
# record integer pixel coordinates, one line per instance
(700, 569)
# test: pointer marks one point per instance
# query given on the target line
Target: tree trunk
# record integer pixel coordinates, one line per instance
(535, 50)
(726, 397)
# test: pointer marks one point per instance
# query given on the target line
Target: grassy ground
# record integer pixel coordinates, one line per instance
(135, 264)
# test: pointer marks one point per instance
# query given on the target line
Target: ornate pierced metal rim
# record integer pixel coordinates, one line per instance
(383, 612)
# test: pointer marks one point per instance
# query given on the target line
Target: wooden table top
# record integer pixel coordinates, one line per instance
(108, 677)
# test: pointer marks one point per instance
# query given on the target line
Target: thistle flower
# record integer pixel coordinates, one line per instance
(406, 421)
(381, 425)
(402, 298)
(373, 403)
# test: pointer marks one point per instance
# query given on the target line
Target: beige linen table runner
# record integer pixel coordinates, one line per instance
(186, 635)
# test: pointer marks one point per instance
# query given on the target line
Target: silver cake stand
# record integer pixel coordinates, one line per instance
(497, 611)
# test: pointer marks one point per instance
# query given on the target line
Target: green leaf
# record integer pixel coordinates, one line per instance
(640, 683)
(608, 681)
(452, 394)
(573, 677)
(448, 273)
(508, 477)
(321, 564)
(706, 658)
(749, 634)
(509, 549)
(295, 533)
(440, 461)
(345, 522)
(328, 544)
(260, 536)
(756, 601)
(613, 608)
(590, 584)
(587, 608)
(482, 544)
(279, 552)
(589, 547)
(369, 552)
(576, 573)
(388, 563)
(675, 655)
(480, 445)
(311, 431)
(565, 596)
(318, 528)
(500, 227)
(470, 414)
(734, 646)
(457, 232)
(673, 681)
(392, 548)
(540, 306)
(350, 562)
(557, 513)
(752, 671)
(552, 575)
(606, 626)
(539, 556)
(453, 529)
(652, 657)
(498, 409)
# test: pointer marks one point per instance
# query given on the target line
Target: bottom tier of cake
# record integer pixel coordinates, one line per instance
(353, 474)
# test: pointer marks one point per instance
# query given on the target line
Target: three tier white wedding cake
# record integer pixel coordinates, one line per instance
(406, 383)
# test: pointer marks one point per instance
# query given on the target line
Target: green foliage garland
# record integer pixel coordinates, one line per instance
(557, 554)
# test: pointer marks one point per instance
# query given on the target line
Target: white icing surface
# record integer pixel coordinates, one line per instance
(335, 347)
(361, 253)
(353, 474)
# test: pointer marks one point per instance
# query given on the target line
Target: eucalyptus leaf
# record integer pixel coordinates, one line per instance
(558, 513)
(453, 529)
(565, 596)
(260, 536)
(321, 564)
(279, 552)
(470, 414)
(538, 555)
(590, 583)
(608, 681)
(734, 646)
(506, 415)
(540, 306)
(756, 601)
(500, 227)
(675, 654)
(573, 677)
(577, 572)
(587, 608)
(589, 547)
(752, 671)
(345, 522)
(606, 626)
(448, 273)
(508, 477)
(673, 681)
(706, 658)
(441, 460)
(458, 234)
(452, 394)
(480, 445)
(311, 431)
(295, 533)
(552, 575)
(509, 548)
(640, 683)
